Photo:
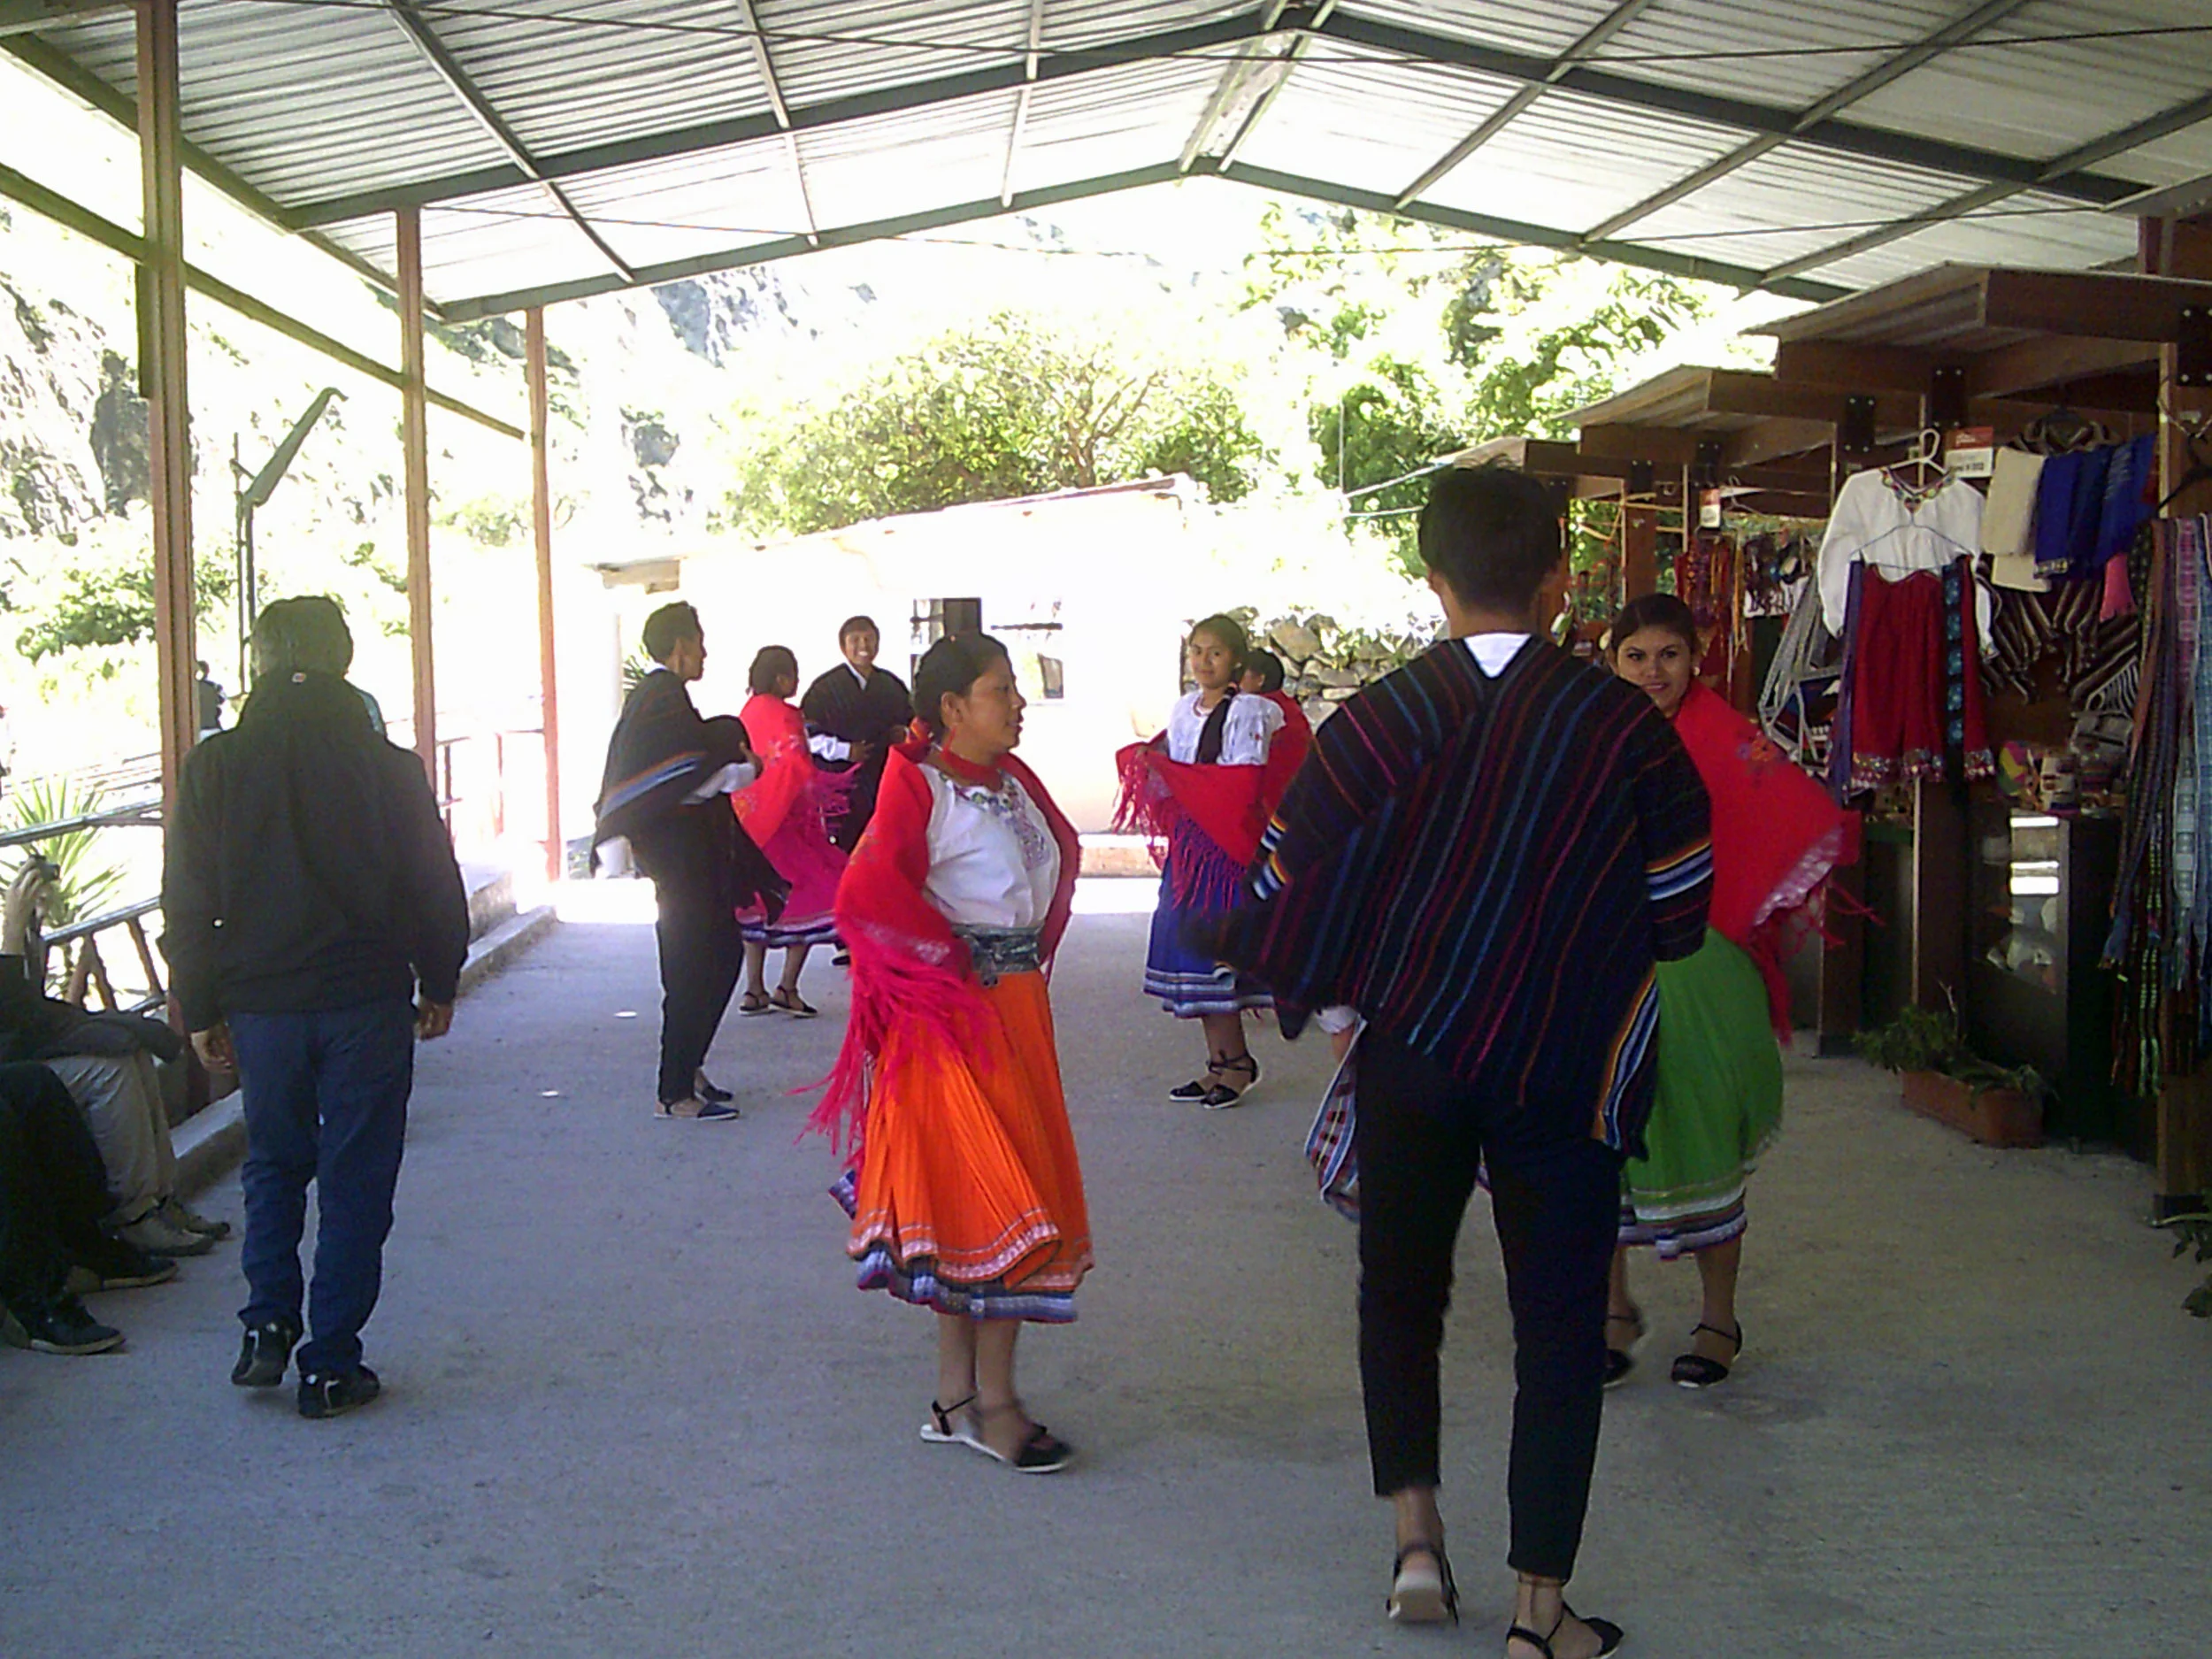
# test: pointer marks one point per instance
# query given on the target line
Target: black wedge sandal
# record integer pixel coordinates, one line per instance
(1420, 1598)
(1619, 1361)
(1194, 1092)
(1222, 1094)
(1041, 1453)
(1609, 1635)
(1694, 1370)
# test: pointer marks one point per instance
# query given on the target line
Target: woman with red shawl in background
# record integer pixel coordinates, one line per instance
(1203, 789)
(966, 1193)
(788, 810)
(1777, 836)
(1264, 676)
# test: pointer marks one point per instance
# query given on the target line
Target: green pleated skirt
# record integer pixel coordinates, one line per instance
(1719, 1103)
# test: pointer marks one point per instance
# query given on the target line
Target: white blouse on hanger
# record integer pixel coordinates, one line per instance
(1250, 725)
(993, 862)
(1876, 523)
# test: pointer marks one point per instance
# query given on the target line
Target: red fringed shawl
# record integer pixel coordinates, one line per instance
(908, 967)
(1777, 835)
(1230, 805)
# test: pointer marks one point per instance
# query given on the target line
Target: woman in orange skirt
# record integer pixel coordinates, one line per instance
(965, 1190)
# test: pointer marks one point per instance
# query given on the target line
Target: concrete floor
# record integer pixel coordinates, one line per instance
(633, 1406)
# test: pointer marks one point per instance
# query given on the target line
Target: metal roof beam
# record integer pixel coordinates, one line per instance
(75, 216)
(911, 97)
(2187, 113)
(1986, 15)
(1845, 137)
(1606, 27)
(1021, 103)
(1233, 81)
(66, 73)
(766, 65)
(1279, 73)
(448, 69)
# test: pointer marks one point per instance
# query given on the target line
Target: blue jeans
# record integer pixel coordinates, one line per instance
(326, 1097)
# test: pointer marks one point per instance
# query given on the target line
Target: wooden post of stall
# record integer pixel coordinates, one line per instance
(2182, 1167)
(1640, 549)
(161, 370)
(415, 442)
(541, 525)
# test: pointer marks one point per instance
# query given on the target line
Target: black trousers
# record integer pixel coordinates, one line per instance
(1422, 1135)
(53, 1188)
(701, 949)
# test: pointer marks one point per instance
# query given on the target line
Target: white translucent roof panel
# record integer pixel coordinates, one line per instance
(1803, 50)
(493, 243)
(1797, 200)
(2023, 230)
(576, 73)
(1070, 25)
(2023, 96)
(1329, 121)
(2175, 159)
(1570, 162)
(897, 165)
(1115, 121)
(304, 101)
(825, 50)
(1540, 28)
(695, 207)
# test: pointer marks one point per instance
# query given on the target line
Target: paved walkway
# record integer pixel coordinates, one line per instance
(633, 1406)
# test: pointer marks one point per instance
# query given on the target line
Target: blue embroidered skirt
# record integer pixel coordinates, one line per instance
(1185, 977)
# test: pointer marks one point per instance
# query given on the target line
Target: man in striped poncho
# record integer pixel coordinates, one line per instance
(1486, 854)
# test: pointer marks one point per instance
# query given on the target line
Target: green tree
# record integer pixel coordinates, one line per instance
(1009, 406)
(115, 607)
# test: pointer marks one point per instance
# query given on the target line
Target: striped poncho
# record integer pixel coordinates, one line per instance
(1488, 869)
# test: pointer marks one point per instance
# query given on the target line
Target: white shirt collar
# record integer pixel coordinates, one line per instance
(1492, 652)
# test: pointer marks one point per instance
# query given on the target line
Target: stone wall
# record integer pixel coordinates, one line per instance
(1324, 663)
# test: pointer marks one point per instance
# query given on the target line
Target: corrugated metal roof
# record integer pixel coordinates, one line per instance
(658, 119)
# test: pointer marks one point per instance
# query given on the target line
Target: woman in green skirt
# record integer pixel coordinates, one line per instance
(1776, 837)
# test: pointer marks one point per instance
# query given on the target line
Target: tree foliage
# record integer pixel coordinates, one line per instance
(1422, 345)
(1009, 406)
(114, 606)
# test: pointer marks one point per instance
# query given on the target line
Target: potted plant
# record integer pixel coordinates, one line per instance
(1944, 1079)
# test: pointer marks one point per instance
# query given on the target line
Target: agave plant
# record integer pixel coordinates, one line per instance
(87, 879)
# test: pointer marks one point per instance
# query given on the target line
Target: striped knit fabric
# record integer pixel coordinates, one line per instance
(1488, 869)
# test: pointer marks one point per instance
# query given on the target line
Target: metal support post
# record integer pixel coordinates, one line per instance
(415, 440)
(161, 352)
(541, 526)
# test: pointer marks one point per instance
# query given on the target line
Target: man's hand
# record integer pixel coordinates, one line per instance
(27, 901)
(860, 754)
(213, 1046)
(433, 1020)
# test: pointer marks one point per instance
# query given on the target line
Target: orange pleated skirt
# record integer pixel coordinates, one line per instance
(969, 1199)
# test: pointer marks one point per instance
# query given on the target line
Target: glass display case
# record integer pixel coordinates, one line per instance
(2039, 907)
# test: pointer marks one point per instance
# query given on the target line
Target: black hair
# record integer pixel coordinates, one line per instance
(1652, 611)
(857, 625)
(1229, 633)
(770, 663)
(1268, 666)
(1492, 534)
(949, 669)
(670, 626)
(303, 634)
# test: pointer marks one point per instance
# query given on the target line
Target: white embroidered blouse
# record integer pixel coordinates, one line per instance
(993, 862)
(1250, 725)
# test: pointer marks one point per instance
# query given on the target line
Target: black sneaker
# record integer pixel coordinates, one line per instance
(713, 1094)
(112, 1264)
(265, 1353)
(57, 1326)
(329, 1394)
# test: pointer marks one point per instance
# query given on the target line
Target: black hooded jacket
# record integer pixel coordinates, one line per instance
(306, 865)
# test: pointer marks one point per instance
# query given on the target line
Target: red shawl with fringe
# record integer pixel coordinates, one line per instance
(908, 965)
(1230, 805)
(1777, 837)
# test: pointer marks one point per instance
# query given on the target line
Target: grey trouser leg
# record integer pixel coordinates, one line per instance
(121, 1097)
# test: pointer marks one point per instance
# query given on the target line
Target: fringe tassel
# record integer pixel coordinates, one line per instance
(890, 990)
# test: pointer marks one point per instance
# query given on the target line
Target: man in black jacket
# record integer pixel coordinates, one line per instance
(665, 792)
(309, 889)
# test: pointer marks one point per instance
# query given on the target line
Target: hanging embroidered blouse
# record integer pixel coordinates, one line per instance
(1894, 532)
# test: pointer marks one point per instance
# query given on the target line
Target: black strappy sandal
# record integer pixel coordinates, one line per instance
(755, 1003)
(1194, 1092)
(785, 1000)
(1609, 1635)
(938, 1429)
(1422, 1602)
(1221, 1094)
(1694, 1370)
(1619, 1361)
(1041, 1453)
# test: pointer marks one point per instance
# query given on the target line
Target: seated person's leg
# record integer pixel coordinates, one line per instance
(37, 1310)
(121, 1103)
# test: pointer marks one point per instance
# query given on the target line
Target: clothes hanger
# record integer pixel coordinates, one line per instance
(2194, 431)
(1926, 455)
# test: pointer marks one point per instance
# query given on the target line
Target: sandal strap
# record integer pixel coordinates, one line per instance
(943, 1413)
(1735, 1336)
(1542, 1644)
(1241, 1063)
